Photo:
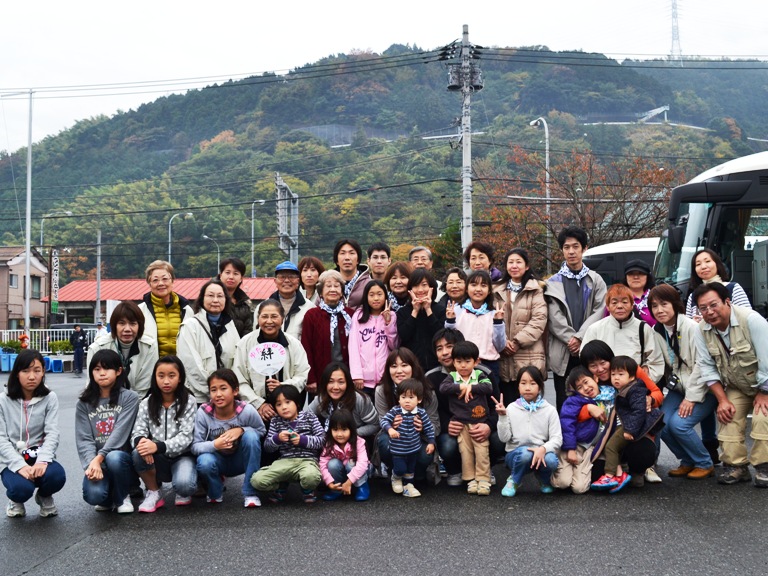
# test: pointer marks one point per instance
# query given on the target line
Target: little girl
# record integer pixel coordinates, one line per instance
(104, 418)
(298, 437)
(344, 461)
(371, 338)
(162, 436)
(479, 321)
(227, 440)
(29, 436)
(531, 428)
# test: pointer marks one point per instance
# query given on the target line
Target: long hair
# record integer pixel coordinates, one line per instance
(695, 281)
(366, 313)
(155, 395)
(417, 372)
(110, 360)
(341, 419)
(505, 277)
(348, 399)
(24, 360)
(484, 279)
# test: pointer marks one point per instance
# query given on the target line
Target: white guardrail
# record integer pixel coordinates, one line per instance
(39, 338)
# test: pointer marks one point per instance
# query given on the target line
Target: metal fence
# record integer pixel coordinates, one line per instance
(40, 339)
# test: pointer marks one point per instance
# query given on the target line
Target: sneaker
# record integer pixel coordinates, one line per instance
(638, 481)
(734, 475)
(309, 496)
(47, 506)
(493, 479)
(183, 500)
(651, 476)
(701, 473)
(384, 470)
(454, 480)
(397, 484)
(278, 496)
(761, 476)
(152, 501)
(605, 482)
(510, 488)
(472, 487)
(622, 481)
(547, 489)
(441, 468)
(126, 507)
(218, 500)
(680, 471)
(15, 509)
(409, 491)
(101, 508)
(483, 488)
(251, 502)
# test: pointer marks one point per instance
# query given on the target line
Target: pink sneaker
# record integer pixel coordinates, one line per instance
(605, 482)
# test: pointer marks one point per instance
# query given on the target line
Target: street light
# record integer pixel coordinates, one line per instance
(542, 122)
(54, 213)
(185, 214)
(218, 250)
(253, 206)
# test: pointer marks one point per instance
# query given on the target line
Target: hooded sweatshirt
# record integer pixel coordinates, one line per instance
(36, 423)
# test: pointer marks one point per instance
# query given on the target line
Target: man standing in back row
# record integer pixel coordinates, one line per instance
(79, 341)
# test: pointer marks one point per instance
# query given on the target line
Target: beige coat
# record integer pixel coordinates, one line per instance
(526, 322)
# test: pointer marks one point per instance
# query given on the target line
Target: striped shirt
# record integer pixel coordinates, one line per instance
(311, 436)
(410, 439)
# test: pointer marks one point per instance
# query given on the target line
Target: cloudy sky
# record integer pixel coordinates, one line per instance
(85, 57)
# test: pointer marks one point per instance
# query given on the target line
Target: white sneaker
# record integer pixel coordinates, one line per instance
(251, 502)
(183, 500)
(397, 484)
(218, 500)
(152, 501)
(15, 509)
(100, 508)
(409, 491)
(126, 507)
(652, 477)
(454, 480)
(47, 506)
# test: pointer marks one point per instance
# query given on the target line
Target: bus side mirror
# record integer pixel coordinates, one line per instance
(675, 238)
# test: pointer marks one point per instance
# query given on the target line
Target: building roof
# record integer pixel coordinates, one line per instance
(135, 288)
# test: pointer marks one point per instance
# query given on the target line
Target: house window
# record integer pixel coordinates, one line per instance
(36, 287)
(13, 280)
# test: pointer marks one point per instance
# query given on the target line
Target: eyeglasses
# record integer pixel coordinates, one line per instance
(163, 280)
(713, 307)
(284, 277)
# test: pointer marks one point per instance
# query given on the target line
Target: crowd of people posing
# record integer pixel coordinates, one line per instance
(347, 373)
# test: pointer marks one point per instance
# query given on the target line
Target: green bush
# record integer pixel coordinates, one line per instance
(63, 346)
(11, 346)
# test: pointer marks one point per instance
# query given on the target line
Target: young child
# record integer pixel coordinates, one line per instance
(298, 437)
(227, 440)
(104, 418)
(479, 321)
(531, 428)
(162, 436)
(468, 390)
(405, 440)
(636, 422)
(575, 459)
(372, 337)
(344, 461)
(29, 436)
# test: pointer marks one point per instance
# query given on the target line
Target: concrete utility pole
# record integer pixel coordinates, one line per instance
(97, 309)
(288, 242)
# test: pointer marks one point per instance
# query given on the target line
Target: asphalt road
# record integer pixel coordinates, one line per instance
(677, 527)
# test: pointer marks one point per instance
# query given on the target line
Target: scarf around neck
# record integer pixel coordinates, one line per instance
(394, 305)
(334, 312)
(532, 406)
(351, 284)
(512, 286)
(476, 311)
(568, 273)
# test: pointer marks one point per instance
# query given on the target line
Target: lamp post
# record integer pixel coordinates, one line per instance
(42, 221)
(542, 122)
(185, 214)
(253, 207)
(218, 250)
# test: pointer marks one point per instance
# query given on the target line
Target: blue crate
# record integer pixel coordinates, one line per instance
(5, 362)
(47, 360)
(57, 365)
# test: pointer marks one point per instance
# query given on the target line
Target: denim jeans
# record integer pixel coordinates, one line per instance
(339, 471)
(19, 489)
(448, 448)
(183, 472)
(680, 435)
(422, 463)
(246, 460)
(519, 463)
(112, 489)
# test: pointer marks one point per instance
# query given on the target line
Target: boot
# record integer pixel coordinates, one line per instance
(363, 492)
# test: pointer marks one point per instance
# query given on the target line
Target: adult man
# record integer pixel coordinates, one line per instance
(79, 341)
(101, 329)
(290, 297)
(732, 349)
(379, 259)
(575, 298)
(347, 255)
(421, 257)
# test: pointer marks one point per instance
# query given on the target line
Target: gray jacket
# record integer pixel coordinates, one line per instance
(41, 430)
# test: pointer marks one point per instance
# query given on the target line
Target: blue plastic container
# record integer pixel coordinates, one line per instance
(47, 360)
(57, 365)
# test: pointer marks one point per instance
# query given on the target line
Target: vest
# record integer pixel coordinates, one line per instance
(738, 367)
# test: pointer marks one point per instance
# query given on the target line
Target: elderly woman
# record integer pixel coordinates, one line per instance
(163, 309)
(207, 339)
(479, 256)
(231, 272)
(254, 385)
(127, 338)
(455, 286)
(325, 334)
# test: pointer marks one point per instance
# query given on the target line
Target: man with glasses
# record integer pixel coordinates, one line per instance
(732, 349)
(379, 259)
(288, 294)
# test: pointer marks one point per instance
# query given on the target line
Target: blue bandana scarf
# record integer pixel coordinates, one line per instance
(607, 394)
(476, 311)
(351, 284)
(513, 287)
(393, 305)
(565, 271)
(532, 406)
(334, 312)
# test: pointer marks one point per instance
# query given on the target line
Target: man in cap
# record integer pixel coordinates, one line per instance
(288, 294)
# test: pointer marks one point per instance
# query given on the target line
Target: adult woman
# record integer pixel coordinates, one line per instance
(207, 339)
(525, 318)
(639, 279)
(163, 309)
(403, 364)
(396, 281)
(231, 272)
(706, 267)
(326, 328)
(128, 339)
(310, 269)
(420, 318)
(479, 256)
(455, 284)
(596, 357)
(255, 386)
(687, 401)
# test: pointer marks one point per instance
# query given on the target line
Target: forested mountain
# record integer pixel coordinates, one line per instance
(214, 152)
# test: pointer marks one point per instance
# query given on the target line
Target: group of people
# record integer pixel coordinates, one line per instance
(380, 369)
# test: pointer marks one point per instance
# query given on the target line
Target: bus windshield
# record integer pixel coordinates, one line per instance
(676, 268)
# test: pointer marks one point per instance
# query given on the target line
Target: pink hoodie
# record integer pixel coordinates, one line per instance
(360, 468)
(369, 346)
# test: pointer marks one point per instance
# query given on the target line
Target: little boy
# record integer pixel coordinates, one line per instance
(468, 389)
(636, 422)
(405, 440)
(575, 459)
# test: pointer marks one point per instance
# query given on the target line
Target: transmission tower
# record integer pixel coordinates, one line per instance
(676, 53)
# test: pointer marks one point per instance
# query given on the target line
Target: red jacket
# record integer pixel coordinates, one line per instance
(316, 340)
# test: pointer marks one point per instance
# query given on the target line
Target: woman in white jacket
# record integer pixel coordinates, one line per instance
(207, 340)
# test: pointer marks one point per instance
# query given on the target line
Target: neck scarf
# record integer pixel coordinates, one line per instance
(394, 305)
(476, 311)
(607, 394)
(351, 284)
(642, 302)
(334, 312)
(715, 278)
(513, 286)
(568, 273)
(532, 406)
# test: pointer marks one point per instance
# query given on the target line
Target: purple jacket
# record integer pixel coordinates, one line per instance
(575, 432)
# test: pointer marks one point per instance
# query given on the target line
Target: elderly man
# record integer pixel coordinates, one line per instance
(421, 257)
(732, 347)
(290, 297)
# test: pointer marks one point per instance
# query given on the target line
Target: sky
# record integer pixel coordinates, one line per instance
(83, 58)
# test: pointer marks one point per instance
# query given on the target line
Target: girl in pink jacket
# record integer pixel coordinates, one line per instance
(344, 461)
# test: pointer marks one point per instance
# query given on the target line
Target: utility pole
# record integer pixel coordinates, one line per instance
(97, 312)
(287, 209)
